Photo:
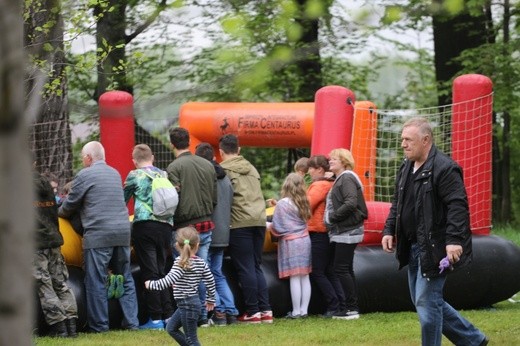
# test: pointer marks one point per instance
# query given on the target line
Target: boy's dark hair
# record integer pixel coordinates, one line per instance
(318, 161)
(229, 144)
(205, 150)
(180, 138)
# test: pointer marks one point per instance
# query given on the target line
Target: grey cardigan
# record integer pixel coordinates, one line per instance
(222, 213)
(97, 193)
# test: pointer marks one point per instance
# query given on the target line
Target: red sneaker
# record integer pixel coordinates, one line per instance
(266, 316)
(250, 319)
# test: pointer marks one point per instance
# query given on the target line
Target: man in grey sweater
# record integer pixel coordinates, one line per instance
(97, 193)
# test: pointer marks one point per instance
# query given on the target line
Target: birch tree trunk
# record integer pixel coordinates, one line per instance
(16, 210)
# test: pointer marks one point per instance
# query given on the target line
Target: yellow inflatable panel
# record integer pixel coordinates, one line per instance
(72, 249)
(269, 246)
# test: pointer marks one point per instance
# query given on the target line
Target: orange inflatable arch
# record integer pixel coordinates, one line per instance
(334, 120)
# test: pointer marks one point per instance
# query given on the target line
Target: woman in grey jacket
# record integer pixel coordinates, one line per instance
(345, 213)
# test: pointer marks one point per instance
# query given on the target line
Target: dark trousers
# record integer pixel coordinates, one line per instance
(152, 241)
(344, 268)
(323, 274)
(245, 248)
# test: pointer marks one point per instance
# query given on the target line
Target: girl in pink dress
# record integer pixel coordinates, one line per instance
(294, 246)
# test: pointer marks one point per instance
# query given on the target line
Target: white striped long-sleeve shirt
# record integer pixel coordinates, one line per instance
(185, 282)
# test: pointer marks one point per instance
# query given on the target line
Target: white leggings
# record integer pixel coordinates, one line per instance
(300, 294)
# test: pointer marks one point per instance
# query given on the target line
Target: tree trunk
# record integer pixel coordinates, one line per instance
(505, 212)
(111, 41)
(452, 34)
(16, 210)
(497, 173)
(307, 67)
(309, 61)
(50, 135)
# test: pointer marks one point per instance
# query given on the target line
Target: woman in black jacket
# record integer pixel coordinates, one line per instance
(345, 213)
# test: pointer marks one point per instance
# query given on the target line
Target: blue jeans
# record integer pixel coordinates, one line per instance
(205, 242)
(97, 263)
(186, 316)
(245, 247)
(225, 299)
(435, 315)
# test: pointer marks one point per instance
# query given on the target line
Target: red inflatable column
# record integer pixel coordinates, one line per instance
(333, 119)
(472, 144)
(117, 132)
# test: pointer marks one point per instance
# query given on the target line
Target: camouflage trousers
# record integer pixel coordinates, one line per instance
(56, 298)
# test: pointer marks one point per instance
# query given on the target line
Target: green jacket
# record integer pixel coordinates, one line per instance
(248, 209)
(196, 182)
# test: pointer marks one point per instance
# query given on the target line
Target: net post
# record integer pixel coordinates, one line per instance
(472, 144)
(364, 146)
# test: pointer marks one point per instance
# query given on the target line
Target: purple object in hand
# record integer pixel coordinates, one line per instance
(444, 264)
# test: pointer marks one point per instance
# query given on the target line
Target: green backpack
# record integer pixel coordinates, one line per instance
(164, 196)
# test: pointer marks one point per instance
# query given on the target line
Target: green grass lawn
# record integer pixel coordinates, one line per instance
(500, 323)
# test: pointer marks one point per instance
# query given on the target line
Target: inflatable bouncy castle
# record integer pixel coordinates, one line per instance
(334, 120)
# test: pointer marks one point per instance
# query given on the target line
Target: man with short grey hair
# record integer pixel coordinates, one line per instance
(97, 193)
(428, 228)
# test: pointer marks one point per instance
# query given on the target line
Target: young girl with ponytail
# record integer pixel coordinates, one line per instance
(187, 272)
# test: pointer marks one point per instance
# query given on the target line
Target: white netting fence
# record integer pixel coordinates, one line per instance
(467, 139)
(389, 154)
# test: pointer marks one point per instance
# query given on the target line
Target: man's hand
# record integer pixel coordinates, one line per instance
(453, 253)
(388, 243)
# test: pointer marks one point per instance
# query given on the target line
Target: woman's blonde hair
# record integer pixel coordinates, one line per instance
(344, 156)
(187, 240)
(294, 188)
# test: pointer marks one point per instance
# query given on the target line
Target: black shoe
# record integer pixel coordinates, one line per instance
(203, 323)
(485, 341)
(58, 330)
(328, 314)
(231, 319)
(71, 327)
(218, 319)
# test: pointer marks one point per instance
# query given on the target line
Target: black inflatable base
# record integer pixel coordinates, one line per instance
(492, 277)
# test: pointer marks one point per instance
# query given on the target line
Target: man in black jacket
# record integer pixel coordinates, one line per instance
(429, 218)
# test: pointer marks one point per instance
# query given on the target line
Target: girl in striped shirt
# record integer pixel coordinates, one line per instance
(187, 272)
